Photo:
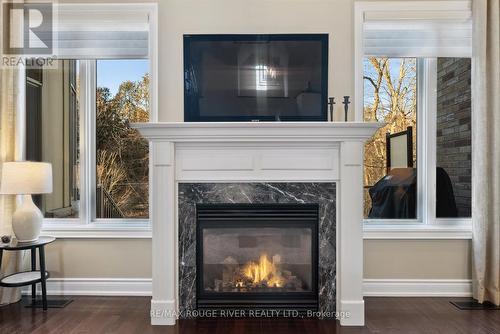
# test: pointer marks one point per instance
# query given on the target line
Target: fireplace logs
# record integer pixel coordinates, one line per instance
(262, 275)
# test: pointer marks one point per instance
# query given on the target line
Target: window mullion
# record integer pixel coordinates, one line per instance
(91, 132)
(431, 138)
(421, 134)
(83, 146)
(427, 102)
(87, 140)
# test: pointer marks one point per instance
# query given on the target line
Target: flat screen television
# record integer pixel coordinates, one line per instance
(255, 77)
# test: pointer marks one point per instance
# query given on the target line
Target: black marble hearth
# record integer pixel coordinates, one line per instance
(322, 194)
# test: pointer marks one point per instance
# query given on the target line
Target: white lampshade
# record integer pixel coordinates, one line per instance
(26, 177)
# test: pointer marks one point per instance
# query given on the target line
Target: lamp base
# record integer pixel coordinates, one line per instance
(27, 221)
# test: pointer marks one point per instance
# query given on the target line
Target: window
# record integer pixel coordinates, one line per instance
(122, 97)
(87, 140)
(453, 138)
(392, 87)
(390, 90)
(417, 170)
(52, 134)
(79, 114)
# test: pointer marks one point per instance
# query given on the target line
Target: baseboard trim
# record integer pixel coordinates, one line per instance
(417, 287)
(97, 287)
(371, 287)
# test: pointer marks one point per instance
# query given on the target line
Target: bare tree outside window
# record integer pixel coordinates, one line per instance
(121, 155)
(390, 97)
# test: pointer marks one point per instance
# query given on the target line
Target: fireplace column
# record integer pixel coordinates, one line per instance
(350, 234)
(163, 303)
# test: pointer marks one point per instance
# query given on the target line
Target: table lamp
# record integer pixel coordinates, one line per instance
(26, 178)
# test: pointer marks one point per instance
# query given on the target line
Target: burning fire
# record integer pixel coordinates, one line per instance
(256, 275)
(264, 272)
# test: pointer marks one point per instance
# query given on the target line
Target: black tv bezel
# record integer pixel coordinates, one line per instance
(194, 116)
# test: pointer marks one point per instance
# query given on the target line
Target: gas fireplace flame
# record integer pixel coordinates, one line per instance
(264, 272)
(260, 275)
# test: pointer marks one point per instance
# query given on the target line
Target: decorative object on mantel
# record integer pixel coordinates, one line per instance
(346, 103)
(331, 103)
(26, 178)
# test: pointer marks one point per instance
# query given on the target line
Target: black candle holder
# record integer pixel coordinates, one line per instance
(346, 103)
(331, 103)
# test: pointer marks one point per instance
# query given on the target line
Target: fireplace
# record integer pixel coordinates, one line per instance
(257, 256)
(256, 163)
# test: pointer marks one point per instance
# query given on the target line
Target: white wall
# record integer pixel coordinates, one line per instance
(384, 259)
(179, 17)
(417, 259)
(99, 258)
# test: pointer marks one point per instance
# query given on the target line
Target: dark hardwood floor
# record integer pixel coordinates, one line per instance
(131, 315)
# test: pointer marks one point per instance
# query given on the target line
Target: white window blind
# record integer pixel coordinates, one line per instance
(101, 31)
(419, 29)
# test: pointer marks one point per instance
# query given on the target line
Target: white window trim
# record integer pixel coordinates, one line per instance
(86, 225)
(426, 226)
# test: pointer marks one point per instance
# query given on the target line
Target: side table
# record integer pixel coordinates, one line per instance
(28, 277)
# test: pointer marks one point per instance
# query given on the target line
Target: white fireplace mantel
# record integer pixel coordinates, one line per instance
(258, 131)
(257, 152)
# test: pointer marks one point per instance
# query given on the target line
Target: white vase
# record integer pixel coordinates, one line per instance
(27, 221)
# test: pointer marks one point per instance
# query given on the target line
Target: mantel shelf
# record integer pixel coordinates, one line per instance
(258, 131)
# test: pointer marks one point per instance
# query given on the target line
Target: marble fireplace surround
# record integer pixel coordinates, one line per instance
(323, 194)
(258, 153)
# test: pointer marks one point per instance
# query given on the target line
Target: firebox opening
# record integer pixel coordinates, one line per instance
(257, 255)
